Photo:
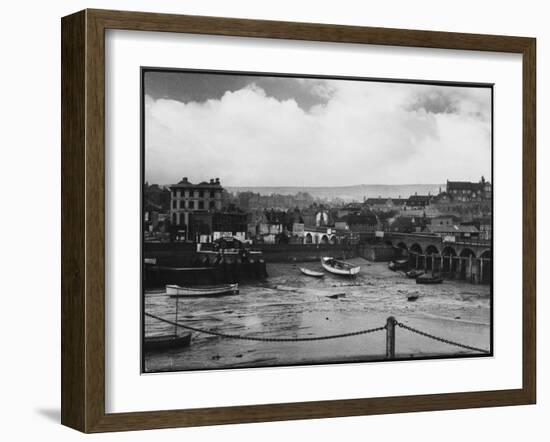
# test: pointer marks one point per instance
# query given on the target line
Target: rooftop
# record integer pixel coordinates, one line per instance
(185, 183)
(419, 199)
(381, 200)
(451, 229)
(465, 185)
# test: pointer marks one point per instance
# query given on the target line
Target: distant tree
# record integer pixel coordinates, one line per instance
(282, 238)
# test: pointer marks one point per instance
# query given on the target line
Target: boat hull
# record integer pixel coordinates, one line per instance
(341, 268)
(398, 265)
(413, 274)
(160, 343)
(311, 273)
(428, 280)
(175, 291)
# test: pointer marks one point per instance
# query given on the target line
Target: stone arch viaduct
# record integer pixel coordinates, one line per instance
(470, 260)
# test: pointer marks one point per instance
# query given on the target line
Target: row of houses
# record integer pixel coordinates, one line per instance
(449, 227)
(198, 212)
(455, 192)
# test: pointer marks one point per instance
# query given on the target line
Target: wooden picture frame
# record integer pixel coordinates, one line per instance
(83, 220)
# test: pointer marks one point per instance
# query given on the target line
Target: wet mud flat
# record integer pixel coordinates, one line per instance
(289, 304)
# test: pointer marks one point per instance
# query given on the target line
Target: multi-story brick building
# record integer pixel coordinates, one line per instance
(469, 191)
(385, 204)
(187, 198)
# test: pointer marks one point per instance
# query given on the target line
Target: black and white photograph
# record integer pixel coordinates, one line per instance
(295, 220)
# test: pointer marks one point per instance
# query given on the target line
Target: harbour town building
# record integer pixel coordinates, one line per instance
(187, 198)
(418, 201)
(385, 204)
(469, 191)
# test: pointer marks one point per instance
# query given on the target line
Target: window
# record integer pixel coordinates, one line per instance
(201, 205)
(212, 194)
(201, 194)
(211, 204)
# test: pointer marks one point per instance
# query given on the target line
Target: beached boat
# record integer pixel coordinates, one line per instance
(339, 267)
(426, 279)
(166, 342)
(413, 274)
(175, 291)
(399, 264)
(412, 297)
(311, 273)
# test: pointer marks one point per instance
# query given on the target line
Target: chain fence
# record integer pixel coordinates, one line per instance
(266, 339)
(317, 338)
(439, 339)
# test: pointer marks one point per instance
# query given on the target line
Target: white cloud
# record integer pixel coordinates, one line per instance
(366, 133)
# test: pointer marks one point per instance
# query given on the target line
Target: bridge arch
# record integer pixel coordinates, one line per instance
(450, 263)
(401, 250)
(416, 248)
(324, 239)
(486, 266)
(466, 252)
(465, 267)
(415, 256)
(487, 253)
(431, 263)
(309, 239)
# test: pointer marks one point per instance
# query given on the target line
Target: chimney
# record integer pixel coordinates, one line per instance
(184, 179)
(217, 181)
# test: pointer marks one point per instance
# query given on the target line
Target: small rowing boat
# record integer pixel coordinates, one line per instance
(175, 291)
(399, 264)
(166, 342)
(339, 267)
(413, 274)
(425, 279)
(311, 273)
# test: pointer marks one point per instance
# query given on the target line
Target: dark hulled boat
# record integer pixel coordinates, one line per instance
(166, 342)
(413, 274)
(426, 279)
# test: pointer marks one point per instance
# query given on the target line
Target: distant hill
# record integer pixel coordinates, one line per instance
(349, 193)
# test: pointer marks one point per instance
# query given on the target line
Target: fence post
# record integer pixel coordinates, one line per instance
(390, 338)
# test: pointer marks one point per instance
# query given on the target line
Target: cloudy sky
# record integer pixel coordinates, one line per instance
(277, 131)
